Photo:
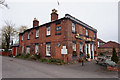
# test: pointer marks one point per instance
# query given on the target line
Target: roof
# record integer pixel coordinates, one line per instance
(110, 44)
(67, 16)
(101, 41)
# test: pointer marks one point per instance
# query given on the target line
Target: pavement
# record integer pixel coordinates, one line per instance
(18, 68)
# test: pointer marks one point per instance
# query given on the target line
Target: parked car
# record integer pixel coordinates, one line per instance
(105, 60)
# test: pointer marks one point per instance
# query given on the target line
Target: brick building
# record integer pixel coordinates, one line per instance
(48, 40)
(107, 48)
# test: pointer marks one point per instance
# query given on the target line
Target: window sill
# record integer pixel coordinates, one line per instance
(74, 32)
(48, 35)
(47, 56)
(57, 33)
(36, 37)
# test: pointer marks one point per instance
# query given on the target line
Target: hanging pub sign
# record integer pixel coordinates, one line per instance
(77, 36)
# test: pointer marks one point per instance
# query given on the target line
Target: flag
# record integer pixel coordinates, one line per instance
(58, 3)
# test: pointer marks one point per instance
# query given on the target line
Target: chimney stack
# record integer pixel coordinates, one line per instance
(35, 22)
(54, 15)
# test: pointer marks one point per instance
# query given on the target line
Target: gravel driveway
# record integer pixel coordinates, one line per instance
(18, 68)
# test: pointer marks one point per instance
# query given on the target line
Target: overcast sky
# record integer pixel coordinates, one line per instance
(100, 14)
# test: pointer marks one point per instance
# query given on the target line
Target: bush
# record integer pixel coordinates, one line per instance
(43, 60)
(53, 60)
(10, 55)
(114, 57)
(101, 54)
(27, 55)
(35, 56)
(20, 56)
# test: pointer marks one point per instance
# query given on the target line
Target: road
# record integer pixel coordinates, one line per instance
(18, 68)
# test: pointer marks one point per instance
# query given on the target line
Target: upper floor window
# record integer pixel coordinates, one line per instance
(58, 28)
(48, 30)
(73, 27)
(37, 33)
(86, 32)
(28, 35)
(22, 37)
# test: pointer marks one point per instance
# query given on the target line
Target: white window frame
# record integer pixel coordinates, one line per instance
(28, 35)
(81, 47)
(37, 33)
(86, 32)
(73, 27)
(74, 46)
(48, 50)
(37, 49)
(22, 37)
(28, 50)
(48, 30)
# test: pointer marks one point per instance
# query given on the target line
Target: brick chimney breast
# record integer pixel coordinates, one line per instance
(54, 15)
(35, 22)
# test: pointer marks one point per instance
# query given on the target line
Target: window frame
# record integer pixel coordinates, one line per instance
(73, 27)
(36, 47)
(28, 35)
(86, 32)
(37, 33)
(48, 51)
(48, 31)
(27, 48)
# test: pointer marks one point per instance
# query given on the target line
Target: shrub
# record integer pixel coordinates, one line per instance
(10, 55)
(53, 60)
(101, 54)
(35, 56)
(114, 57)
(88, 55)
(27, 55)
(43, 60)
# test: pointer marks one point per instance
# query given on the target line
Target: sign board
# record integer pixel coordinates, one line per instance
(64, 50)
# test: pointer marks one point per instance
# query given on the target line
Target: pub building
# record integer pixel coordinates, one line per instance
(66, 38)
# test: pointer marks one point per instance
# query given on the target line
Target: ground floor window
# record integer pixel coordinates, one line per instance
(74, 49)
(36, 48)
(81, 47)
(28, 50)
(48, 50)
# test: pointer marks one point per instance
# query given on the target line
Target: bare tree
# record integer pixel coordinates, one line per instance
(22, 29)
(8, 31)
(2, 2)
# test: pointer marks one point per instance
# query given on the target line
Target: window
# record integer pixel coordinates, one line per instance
(28, 50)
(36, 48)
(48, 51)
(48, 30)
(22, 49)
(58, 28)
(73, 27)
(86, 32)
(22, 37)
(28, 35)
(37, 33)
(74, 46)
(81, 47)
